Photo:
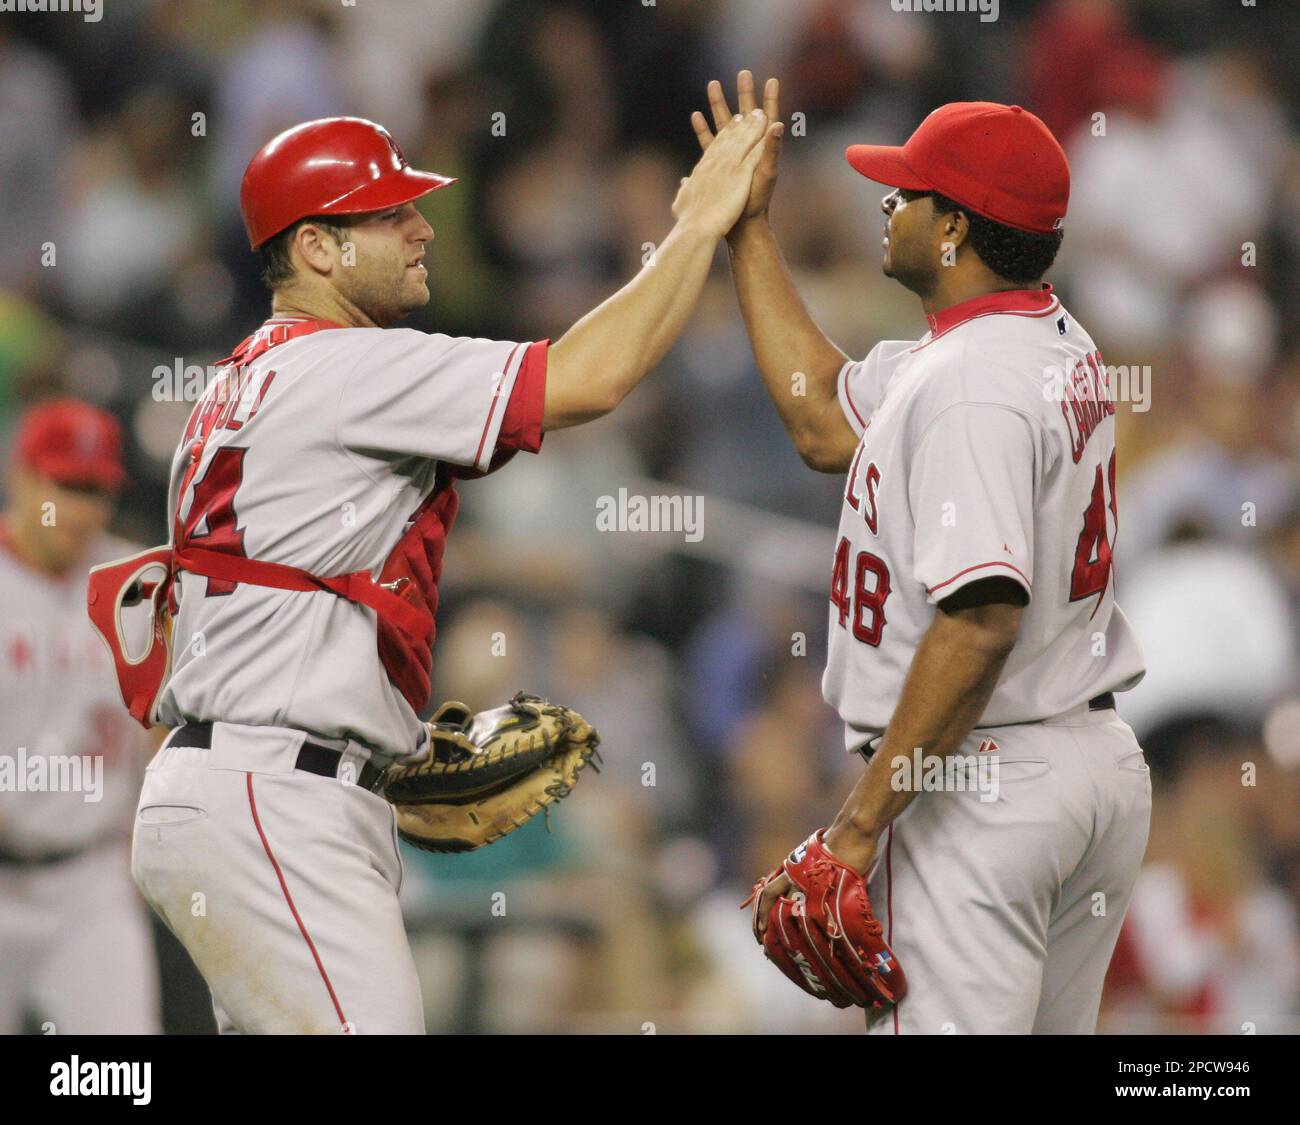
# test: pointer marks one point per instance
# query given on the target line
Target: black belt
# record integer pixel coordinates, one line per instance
(1103, 702)
(313, 757)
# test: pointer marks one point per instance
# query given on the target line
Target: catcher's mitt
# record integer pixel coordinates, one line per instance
(482, 776)
(822, 933)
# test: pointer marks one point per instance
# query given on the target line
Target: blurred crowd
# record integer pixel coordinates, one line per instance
(122, 144)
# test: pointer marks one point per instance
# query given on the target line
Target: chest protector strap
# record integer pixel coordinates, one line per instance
(405, 599)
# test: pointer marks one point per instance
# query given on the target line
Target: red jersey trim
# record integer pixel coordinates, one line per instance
(521, 427)
(979, 566)
(1008, 300)
(848, 396)
(496, 398)
(1011, 302)
(273, 333)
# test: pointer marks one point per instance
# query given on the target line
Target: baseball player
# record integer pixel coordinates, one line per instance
(78, 951)
(311, 494)
(973, 624)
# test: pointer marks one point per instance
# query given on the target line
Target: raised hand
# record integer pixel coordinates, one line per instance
(764, 181)
(719, 187)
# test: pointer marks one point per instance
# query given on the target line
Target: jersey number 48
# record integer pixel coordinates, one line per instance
(866, 604)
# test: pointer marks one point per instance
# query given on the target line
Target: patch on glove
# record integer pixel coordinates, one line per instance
(823, 935)
(482, 776)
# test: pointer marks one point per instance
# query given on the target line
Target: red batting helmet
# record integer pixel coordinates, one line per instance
(334, 166)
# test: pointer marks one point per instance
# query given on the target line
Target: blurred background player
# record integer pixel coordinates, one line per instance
(78, 951)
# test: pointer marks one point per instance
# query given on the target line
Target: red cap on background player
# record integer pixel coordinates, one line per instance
(73, 443)
(334, 166)
(999, 160)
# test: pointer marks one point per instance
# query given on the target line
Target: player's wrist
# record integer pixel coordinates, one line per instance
(697, 225)
(852, 843)
(747, 228)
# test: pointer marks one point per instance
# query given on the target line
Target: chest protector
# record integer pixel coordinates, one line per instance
(404, 596)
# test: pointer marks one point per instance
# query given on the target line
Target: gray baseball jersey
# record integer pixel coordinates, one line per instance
(988, 448)
(323, 446)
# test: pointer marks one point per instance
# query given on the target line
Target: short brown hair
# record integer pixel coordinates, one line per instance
(273, 255)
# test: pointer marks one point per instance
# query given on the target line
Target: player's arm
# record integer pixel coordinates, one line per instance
(798, 363)
(981, 462)
(594, 365)
(948, 686)
(978, 462)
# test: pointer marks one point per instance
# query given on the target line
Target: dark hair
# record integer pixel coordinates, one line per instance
(273, 255)
(1015, 255)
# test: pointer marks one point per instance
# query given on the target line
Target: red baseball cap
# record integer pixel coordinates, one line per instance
(73, 443)
(999, 160)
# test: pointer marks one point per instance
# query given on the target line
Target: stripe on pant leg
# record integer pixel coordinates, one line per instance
(284, 887)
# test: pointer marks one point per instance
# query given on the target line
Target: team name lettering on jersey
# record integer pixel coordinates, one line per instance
(970, 468)
(233, 398)
(855, 493)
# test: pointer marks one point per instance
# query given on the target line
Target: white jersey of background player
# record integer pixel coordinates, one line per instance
(78, 952)
(331, 430)
(972, 599)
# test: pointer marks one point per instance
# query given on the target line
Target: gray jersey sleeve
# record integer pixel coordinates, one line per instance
(971, 488)
(861, 384)
(417, 394)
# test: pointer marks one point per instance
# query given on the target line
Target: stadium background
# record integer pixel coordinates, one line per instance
(1181, 256)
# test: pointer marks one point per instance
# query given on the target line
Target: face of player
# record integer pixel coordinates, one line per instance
(55, 524)
(913, 243)
(389, 279)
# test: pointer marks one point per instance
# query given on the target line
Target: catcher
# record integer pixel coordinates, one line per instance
(311, 495)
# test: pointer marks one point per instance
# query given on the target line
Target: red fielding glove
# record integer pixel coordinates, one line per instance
(823, 935)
